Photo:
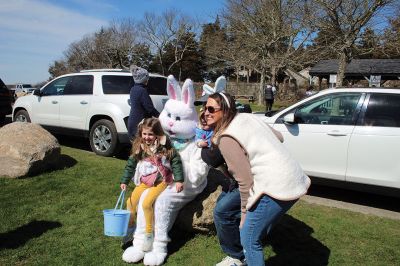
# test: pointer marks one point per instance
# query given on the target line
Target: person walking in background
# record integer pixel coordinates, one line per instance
(141, 103)
(153, 164)
(269, 96)
(269, 180)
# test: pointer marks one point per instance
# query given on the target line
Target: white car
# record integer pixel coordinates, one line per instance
(350, 135)
(91, 103)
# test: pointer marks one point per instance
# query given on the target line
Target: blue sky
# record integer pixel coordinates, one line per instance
(34, 33)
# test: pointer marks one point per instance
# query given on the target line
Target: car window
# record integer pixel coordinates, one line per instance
(383, 110)
(82, 84)
(157, 86)
(117, 84)
(333, 109)
(123, 85)
(56, 87)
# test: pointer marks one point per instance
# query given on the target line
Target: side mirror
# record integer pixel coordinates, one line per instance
(289, 119)
(37, 92)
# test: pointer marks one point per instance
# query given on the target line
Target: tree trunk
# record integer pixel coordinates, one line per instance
(261, 89)
(341, 69)
(161, 62)
(273, 75)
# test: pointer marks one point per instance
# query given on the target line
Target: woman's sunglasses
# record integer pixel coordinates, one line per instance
(211, 109)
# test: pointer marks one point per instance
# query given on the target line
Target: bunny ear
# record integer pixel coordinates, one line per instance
(173, 88)
(188, 93)
(207, 89)
(220, 84)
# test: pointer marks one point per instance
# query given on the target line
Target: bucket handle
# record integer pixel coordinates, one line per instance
(121, 196)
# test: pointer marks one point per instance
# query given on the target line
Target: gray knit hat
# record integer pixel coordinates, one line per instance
(140, 75)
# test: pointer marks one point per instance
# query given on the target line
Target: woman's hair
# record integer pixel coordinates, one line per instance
(139, 151)
(228, 109)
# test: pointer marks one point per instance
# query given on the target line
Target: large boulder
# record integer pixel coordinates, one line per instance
(26, 149)
(197, 216)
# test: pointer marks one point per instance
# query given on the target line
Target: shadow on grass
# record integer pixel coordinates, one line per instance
(62, 163)
(293, 244)
(18, 237)
(65, 161)
(83, 144)
(291, 240)
(74, 142)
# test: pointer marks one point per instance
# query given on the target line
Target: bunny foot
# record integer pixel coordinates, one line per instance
(133, 255)
(154, 258)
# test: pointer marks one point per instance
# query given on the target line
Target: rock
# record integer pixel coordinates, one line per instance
(26, 149)
(198, 215)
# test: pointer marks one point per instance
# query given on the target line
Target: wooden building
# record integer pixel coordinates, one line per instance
(375, 71)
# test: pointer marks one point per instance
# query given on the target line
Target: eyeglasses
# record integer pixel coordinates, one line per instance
(211, 109)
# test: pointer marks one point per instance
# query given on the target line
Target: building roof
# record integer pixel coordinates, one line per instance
(359, 67)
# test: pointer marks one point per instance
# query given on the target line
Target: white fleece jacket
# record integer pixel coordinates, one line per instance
(274, 170)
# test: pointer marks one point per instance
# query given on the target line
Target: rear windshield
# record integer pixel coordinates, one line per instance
(122, 85)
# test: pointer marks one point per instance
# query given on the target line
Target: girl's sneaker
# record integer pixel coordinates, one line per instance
(148, 242)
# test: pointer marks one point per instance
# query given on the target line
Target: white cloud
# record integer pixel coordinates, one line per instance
(31, 29)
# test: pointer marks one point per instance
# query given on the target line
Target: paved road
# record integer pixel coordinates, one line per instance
(362, 202)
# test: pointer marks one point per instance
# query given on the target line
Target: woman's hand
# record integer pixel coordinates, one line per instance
(179, 186)
(123, 186)
(202, 144)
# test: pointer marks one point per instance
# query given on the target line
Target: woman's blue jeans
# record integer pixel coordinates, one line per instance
(227, 221)
(259, 221)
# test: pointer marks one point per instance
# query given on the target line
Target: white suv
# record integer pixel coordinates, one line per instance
(351, 135)
(92, 103)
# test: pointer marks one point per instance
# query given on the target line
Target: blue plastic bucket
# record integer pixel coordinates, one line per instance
(116, 220)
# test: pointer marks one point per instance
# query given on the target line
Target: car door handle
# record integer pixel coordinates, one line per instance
(336, 133)
(84, 102)
(54, 102)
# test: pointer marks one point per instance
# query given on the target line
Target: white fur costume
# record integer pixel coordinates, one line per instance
(178, 119)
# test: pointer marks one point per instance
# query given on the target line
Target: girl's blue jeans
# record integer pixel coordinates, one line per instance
(259, 220)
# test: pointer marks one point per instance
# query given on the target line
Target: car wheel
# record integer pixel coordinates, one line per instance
(104, 138)
(22, 116)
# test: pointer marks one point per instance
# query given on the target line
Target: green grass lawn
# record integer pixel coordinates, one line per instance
(56, 219)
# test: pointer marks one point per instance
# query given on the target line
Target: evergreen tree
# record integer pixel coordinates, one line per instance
(213, 44)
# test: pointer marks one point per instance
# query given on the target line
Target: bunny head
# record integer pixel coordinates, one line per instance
(220, 85)
(179, 117)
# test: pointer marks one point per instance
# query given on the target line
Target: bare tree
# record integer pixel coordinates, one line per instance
(345, 20)
(270, 33)
(113, 47)
(169, 28)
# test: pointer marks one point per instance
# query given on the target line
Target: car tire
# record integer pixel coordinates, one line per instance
(22, 116)
(104, 138)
